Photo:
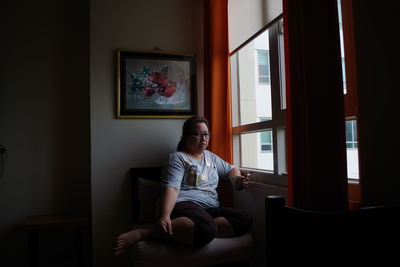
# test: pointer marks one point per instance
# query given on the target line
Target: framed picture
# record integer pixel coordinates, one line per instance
(156, 85)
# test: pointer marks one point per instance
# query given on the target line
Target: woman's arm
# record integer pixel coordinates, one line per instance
(168, 202)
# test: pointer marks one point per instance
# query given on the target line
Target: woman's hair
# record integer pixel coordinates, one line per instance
(187, 129)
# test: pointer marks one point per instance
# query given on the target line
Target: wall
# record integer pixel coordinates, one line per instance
(44, 116)
(256, 13)
(119, 144)
(253, 201)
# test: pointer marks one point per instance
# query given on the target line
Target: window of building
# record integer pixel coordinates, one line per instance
(258, 105)
(265, 138)
(266, 141)
(263, 66)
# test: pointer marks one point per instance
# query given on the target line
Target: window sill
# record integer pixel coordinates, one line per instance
(353, 181)
(266, 177)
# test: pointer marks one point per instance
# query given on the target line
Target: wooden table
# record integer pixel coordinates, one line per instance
(35, 223)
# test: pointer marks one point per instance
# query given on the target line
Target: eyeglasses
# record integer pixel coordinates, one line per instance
(199, 135)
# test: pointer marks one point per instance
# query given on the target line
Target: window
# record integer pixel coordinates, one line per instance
(266, 141)
(265, 138)
(263, 66)
(352, 149)
(351, 134)
(258, 105)
(351, 119)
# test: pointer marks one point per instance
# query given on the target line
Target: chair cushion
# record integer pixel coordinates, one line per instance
(149, 193)
(220, 250)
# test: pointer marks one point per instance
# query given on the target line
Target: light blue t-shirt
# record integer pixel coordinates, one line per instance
(197, 181)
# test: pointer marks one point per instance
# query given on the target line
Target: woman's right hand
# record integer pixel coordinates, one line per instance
(165, 223)
(241, 182)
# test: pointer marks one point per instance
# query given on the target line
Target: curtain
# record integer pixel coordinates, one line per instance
(349, 50)
(216, 86)
(216, 74)
(315, 106)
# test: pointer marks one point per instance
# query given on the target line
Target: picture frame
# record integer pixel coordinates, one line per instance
(156, 85)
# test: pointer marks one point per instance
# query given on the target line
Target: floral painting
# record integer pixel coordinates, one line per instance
(156, 85)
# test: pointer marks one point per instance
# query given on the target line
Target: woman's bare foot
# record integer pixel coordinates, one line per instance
(184, 233)
(127, 240)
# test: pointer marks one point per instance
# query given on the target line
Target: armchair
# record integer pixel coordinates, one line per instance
(146, 189)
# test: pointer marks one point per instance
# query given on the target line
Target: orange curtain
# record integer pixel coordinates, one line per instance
(216, 77)
(216, 86)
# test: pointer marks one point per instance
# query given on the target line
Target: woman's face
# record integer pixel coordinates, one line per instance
(197, 140)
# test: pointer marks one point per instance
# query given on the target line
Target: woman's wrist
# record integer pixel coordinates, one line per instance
(234, 177)
(165, 215)
(235, 181)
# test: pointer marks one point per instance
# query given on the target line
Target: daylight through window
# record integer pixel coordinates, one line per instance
(258, 113)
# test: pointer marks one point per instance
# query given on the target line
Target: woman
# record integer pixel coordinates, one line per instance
(190, 212)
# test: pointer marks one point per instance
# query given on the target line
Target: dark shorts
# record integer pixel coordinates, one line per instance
(205, 227)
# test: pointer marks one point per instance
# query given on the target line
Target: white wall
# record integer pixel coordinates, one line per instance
(119, 144)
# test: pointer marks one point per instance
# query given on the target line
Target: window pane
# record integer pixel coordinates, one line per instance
(255, 153)
(263, 70)
(266, 137)
(263, 57)
(254, 90)
(349, 131)
(355, 130)
(266, 147)
(263, 79)
(349, 145)
(263, 66)
(352, 149)
(254, 126)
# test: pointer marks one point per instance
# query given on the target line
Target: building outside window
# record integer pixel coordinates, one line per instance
(258, 113)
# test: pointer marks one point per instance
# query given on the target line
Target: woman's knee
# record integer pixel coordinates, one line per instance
(204, 232)
(246, 223)
(241, 221)
(204, 229)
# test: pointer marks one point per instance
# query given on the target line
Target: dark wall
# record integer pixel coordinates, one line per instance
(44, 115)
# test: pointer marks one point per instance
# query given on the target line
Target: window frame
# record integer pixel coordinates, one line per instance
(277, 125)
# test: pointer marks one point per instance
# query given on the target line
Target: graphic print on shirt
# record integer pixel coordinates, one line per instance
(198, 178)
(191, 177)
